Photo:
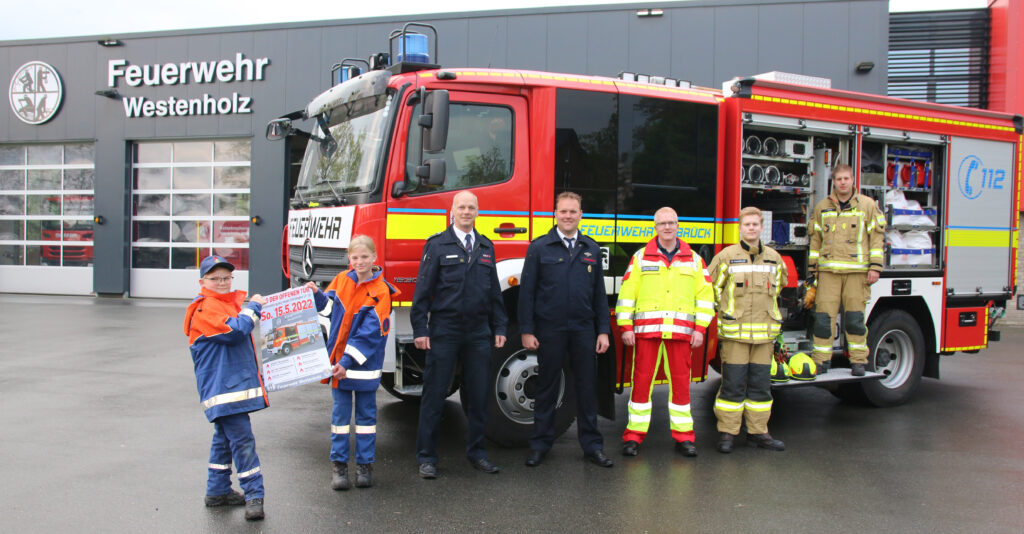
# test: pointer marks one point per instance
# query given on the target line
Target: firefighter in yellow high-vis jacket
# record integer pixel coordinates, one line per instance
(747, 278)
(847, 233)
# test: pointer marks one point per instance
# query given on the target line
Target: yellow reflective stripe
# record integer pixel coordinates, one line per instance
(813, 254)
(855, 346)
(728, 406)
(977, 238)
(220, 467)
(371, 429)
(820, 348)
(343, 429)
(234, 396)
(250, 472)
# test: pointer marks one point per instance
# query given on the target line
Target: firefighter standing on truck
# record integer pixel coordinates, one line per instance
(665, 305)
(847, 232)
(747, 278)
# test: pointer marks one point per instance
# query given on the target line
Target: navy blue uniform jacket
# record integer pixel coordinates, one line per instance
(457, 287)
(561, 290)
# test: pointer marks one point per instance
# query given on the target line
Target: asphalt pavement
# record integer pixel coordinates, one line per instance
(102, 432)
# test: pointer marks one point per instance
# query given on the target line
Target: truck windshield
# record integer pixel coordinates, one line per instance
(350, 164)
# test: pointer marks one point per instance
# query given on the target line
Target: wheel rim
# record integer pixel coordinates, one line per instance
(901, 352)
(515, 387)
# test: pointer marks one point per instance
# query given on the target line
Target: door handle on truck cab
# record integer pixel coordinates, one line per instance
(510, 230)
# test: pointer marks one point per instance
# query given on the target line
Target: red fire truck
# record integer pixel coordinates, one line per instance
(390, 147)
(285, 339)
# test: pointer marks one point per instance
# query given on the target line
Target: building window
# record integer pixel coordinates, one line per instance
(190, 199)
(46, 204)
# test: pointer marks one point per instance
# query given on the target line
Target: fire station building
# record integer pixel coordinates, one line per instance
(125, 159)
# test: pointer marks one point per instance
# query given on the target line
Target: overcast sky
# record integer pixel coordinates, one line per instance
(65, 18)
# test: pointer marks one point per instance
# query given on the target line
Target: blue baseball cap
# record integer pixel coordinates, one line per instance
(212, 262)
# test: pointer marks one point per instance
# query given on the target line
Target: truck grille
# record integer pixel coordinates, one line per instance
(328, 263)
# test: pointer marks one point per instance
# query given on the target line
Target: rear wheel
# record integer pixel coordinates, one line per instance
(512, 394)
(897, 335)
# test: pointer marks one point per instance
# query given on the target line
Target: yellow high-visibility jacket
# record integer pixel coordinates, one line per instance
(849, 240)
(747, 283)
(665, 299)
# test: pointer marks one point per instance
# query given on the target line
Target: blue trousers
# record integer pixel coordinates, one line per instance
(573, 351)
(233, 440)
(448, 347)
(366, 425)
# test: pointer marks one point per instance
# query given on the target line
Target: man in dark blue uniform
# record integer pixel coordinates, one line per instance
(563, 315)
(457, 286)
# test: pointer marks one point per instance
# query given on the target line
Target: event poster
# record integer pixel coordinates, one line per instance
(292, 343)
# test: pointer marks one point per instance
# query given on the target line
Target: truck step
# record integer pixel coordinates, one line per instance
(834, 376)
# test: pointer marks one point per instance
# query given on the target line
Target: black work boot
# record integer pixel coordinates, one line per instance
(857, 369)
(254, 510)
(230, 499)
(766, 441)
(339, 477)
(364, 475)
(725, 442)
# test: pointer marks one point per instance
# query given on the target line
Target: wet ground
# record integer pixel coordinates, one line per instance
(102, 432)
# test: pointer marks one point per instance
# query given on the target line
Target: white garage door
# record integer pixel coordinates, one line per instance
(189, 199)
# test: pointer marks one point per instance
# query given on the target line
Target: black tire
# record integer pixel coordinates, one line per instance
(897, 332)
(286, 349)
(510, 395)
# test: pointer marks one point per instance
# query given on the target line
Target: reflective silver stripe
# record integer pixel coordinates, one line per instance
(638, 418)
(250, 472)
(704, 318)
(363, 375)
(752, 268)
(355, 354)
(679, 407)
(251, 314)
(641, 406)
(366, 429)
(234, 396)
(663, 328)
(625, 303)
(339, 429)
(680, 420)
(220, 467)
(640, 316)
(624, 316)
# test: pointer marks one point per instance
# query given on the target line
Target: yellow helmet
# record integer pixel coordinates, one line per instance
(801, 367)
(780, 373)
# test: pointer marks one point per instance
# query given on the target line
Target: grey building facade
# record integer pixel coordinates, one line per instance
(156, 154)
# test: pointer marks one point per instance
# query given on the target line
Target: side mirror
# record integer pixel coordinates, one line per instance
(434, 121)
(432, 172)
(278, 129)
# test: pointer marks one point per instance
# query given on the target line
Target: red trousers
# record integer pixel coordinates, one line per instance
(649, 355)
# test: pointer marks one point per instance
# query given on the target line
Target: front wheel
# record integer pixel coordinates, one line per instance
(512, 394)
(287, 349)
(897, 333)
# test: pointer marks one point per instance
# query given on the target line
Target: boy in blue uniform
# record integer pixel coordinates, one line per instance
(228, 378)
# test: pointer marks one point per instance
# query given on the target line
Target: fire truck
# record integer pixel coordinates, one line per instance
(388, 149)
(285, 339)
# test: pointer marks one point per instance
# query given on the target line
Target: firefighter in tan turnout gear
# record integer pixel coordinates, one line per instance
(747, 278)
(847, 232)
